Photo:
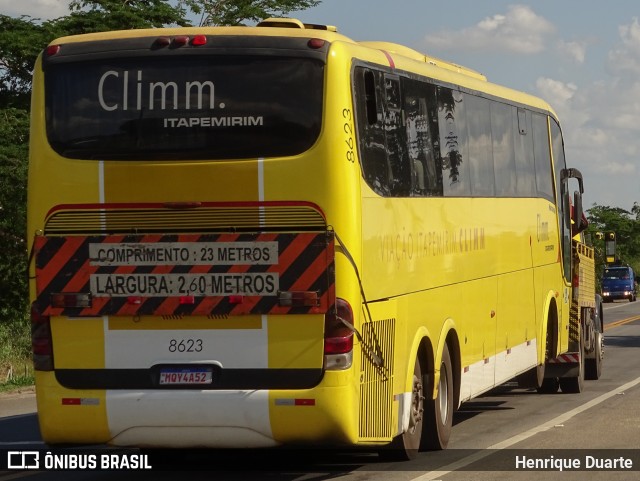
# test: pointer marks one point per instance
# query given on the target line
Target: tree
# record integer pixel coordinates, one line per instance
(13, 265)
(234, 12)
(21, 40)
(89, 16)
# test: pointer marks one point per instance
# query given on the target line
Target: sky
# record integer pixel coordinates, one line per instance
(581, 56)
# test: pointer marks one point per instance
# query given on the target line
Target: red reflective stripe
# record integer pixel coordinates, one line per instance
(565, 358)
(392, 64)
(71, 401)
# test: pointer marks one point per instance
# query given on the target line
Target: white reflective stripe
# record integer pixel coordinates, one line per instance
(483, 375)
(404, 409)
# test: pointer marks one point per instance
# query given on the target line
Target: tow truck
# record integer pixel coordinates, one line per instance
(585, 355)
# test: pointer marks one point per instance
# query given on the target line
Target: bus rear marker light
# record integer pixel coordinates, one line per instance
(53, 50)
(295, 402)
(199, 40)
(298, 298)
(316, 43)
(187, 300)
(180, 40)
(71, 299)
(236, 299)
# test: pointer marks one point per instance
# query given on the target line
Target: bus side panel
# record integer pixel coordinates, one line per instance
(516, 335)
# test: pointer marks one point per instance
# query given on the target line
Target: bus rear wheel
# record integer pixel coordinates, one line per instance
(549, 385)
(439, 411)
(407, 445)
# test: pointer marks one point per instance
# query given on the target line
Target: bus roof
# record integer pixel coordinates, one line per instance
(270, 27)
(278, 27)
(421, 57)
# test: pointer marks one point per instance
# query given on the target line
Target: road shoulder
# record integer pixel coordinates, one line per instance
(18, 401)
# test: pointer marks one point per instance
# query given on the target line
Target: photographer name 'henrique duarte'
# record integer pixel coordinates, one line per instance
(588, 462)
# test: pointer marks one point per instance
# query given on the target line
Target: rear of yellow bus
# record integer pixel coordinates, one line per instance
(183, 204)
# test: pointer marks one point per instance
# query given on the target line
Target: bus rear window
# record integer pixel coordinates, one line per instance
(204, 107)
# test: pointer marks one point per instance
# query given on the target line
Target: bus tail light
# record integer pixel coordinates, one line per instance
(338, 337)
(41, 341)
(338, 329)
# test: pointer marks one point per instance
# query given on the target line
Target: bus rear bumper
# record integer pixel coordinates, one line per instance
(179, 419)
(196, 418)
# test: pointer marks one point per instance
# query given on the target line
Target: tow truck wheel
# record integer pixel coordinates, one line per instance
(593, 367)
(575, 384)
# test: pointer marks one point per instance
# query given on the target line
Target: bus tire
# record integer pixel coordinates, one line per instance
(549, 385)
(438, 416)
(406, 446)
(531, 379)
(593, 367)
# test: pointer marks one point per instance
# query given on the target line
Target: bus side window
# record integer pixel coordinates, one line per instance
(453, 142)
(504, 157)
(370, 130)
(478, 110)
(525, 168)
(542, 157)
(396, 139)
(563, 197)
(426, 177)
(370, 98)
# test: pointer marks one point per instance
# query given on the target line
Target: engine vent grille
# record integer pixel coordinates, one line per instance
(376, 385)
(209, 218)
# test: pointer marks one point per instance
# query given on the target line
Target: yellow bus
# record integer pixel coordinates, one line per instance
(275, 235)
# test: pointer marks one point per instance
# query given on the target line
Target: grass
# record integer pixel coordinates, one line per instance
(16, 383)
(15, 374)
(16, 368)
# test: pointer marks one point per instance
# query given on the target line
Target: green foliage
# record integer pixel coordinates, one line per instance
(21, 40)
(15, 344)
(16, 382)
(89, 16)
(234, 12)
(14, 132)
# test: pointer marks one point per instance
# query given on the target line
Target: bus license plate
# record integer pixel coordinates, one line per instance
(172, 377)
